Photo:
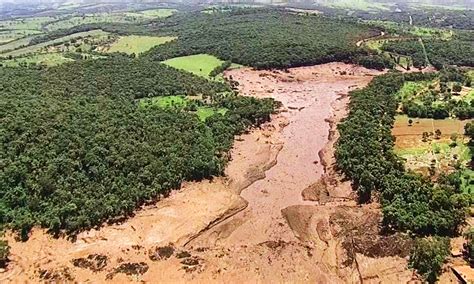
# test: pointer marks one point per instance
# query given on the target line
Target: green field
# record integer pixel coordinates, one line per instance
(203, 112)
(11, 35)
(25, 24)
(38, 47)
(200, 64)
(15, 44)
(130, 17)
(411, 89)
(155, 13)
(137, 44)
(365, 5)
(49, 59)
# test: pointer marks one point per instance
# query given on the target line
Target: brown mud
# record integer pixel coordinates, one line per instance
(281, 213)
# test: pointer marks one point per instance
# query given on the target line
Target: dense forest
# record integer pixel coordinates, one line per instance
(365, 154)
(261, 38)
(77, 150)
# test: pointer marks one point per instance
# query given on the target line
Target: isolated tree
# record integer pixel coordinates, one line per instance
(437, 134)
(410, 122)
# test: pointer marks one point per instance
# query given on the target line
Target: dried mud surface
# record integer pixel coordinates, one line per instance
(281, 213)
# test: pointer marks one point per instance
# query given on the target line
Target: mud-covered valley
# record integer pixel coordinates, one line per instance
(281, 213)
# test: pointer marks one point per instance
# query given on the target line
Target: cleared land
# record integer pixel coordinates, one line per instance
(15, 44)
(26, 24)
(137, 44)
(200, 64)
(203, 112)
(442, 153)
(11, 35)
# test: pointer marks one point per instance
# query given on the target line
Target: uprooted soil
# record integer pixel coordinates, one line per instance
(254, 224)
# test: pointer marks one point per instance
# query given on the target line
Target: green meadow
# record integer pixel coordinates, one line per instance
(199, 64)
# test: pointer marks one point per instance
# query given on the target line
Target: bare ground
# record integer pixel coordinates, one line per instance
(253, 225)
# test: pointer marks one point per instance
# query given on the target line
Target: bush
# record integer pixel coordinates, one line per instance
(4, 252)
(428, 256)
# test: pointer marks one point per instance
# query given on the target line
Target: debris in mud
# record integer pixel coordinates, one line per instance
(192, 264)
(129, 269)
(361, 234)
(93, 262)
(183, 254)
(316, 192)
(56, 275)
(275, 244)
(161, 253)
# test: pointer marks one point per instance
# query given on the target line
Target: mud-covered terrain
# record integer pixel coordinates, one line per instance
(280, 214)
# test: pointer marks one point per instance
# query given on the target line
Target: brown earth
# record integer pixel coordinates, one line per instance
(252, 225)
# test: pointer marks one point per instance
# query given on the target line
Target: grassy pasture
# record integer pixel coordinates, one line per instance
(156, 13)
(11, 35)
(15, 44)
(38, 47)
(203, 112)
(35, 23)
(130, 17)
(411, 89)
(164, 102)
(200, 64)
(364, 5)
(136, 44)
(49, 59)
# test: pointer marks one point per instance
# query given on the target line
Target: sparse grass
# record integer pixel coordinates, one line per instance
(137, 44)
(164, 102)
(419, 154)
(411, 89)
(158, 13)
(200, 64)
(25, 24)
(364, 5)
(15, 44)
(11, 35)
(49, 59)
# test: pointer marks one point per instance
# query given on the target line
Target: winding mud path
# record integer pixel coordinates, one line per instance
(250, 226)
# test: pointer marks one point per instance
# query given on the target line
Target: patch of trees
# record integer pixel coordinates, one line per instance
(261, 38)
(428, 256)
(440, 53)
(364, 153)
(119, 75)
(377, 62)
(221, 68)
(76, 150)
(440, 104)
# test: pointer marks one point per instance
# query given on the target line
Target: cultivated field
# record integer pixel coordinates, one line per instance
(446, 151)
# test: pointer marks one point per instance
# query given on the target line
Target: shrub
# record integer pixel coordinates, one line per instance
(428, 256)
